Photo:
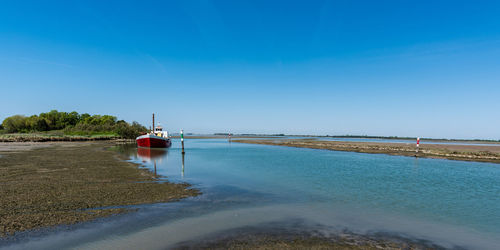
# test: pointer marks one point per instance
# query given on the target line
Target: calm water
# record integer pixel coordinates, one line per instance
(451, 203)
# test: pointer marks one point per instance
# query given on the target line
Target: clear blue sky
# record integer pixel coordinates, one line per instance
(405, 68)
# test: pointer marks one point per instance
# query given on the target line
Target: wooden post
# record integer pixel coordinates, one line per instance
(183, 165)
(229, 137)
(153, 131)
(182, 141)
(155, 167)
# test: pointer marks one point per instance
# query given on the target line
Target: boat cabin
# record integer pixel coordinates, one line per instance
(159, 132)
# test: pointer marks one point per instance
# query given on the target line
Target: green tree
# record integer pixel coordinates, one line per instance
(41, 125)
(107, 120)
(51, 118)
(72, 123)
(73, 118)
(31, 123)
(84, 117)
(14, 123)
(128, 131)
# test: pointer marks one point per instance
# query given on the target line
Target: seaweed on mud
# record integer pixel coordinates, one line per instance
(72, 183)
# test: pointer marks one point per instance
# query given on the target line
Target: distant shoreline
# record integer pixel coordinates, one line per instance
(483, 153)
(485, 141)
(376, 137)
(51, 136)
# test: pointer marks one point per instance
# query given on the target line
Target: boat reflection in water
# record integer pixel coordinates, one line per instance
(152, 155)
(149, 154)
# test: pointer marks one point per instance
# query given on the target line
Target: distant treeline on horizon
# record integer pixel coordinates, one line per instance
(72, 123)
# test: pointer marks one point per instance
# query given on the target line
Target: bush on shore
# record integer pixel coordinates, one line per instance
(72, 124)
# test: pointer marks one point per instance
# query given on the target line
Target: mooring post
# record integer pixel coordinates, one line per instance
(418, 144)
(182, 141)
(182, 165)
(155, 168)
(229, 137)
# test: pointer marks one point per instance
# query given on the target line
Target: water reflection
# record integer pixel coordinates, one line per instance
(183, 155)
(415, 165)
(152, 155)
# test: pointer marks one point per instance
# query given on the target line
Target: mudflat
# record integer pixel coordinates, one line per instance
(480, 153)
(48, 184)
(263, 238)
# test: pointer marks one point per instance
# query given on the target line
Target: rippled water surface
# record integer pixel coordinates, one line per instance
(451, 203)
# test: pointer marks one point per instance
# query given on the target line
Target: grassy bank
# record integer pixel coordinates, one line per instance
(486, 153)
(67, 183)
(55, 136)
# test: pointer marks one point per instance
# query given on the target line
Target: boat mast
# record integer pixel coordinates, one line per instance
(153, 123)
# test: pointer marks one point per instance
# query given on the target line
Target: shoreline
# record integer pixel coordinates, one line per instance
(475, 153)
(49, 184)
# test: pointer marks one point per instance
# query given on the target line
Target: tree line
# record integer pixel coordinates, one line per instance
(72, 123)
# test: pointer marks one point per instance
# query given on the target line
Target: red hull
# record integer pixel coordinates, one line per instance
(152, 141)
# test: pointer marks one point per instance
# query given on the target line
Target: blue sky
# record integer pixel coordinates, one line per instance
(405, 68)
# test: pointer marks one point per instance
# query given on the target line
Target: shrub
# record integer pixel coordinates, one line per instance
(14, 123)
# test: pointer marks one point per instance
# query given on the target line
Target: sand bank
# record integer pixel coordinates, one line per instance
(486, 153)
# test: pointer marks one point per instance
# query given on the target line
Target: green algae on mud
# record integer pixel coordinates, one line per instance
(303, 240)
(68, 183)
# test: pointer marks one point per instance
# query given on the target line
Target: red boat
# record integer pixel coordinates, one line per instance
(155, 139)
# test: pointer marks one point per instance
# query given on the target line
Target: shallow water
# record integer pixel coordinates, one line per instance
(451, 203)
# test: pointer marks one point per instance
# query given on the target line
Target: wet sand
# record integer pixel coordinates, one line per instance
(49, 184)
(486, 153)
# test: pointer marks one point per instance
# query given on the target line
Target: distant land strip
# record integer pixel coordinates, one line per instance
(482, 153)
(371, 137)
